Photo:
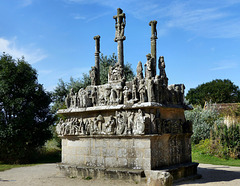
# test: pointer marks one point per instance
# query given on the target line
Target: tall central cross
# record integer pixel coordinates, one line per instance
(120, 22)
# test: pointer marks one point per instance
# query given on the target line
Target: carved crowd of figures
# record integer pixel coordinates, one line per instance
(139, 90)
(123, 123)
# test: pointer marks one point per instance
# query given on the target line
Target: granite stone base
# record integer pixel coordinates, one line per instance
(150, 177)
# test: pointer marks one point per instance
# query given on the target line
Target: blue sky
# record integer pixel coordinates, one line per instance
(200, 40)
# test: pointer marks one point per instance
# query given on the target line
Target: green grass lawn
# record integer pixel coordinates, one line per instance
(198, 156)
(4, 167)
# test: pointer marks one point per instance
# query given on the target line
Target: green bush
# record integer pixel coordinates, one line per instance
(229, 137)
(203, 122)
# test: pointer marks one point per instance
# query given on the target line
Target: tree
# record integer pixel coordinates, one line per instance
(25, 116)
(217, 91)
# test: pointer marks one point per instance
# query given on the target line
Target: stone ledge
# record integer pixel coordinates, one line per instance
(122, 106)
(143, 136)
(136, 175)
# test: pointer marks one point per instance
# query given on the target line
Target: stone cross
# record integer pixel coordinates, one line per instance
(97, 51)
(120, 22)
(153, 44)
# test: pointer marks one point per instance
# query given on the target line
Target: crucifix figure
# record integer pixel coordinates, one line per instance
(120, 22)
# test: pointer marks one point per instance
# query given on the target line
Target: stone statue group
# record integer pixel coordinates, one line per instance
(123, 123)
(139, 90)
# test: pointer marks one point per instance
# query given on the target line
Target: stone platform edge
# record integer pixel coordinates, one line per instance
(163, 176)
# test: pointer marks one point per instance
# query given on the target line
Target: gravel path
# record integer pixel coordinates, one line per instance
(48, 175)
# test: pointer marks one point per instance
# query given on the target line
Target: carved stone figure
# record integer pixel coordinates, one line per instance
(161, 66)
(72, 98)
(82, 126)
(115, 73)
(94, 96)
(119, 90)
(93, 76)
(150, 90)
(148, 67)
(139, 70)
(87, 127)
(84, 98)
(100, 121)
(130, 123)
(121, 123)
(140, 123)
(67, 101)
(142, 91)
(125, 95)
(110, 126)
(134, 90)
(101, 100)
(94, 127)
(113, 97)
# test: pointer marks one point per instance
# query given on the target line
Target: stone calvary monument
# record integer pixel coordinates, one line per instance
(127, 129)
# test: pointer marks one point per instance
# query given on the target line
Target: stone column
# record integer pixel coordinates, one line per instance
(120, 22)
(120, 52)
(153, 44)
(97, 58)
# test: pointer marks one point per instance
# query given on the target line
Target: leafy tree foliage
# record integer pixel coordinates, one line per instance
(25, 116)
(217, 91)
(63, 88)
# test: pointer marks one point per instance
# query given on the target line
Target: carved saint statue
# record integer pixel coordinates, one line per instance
(110, 126)
(142, 91)
(148, 67)
(121, 123)
(93, 75)
(94, 96)
(161, 66)
(140, 122)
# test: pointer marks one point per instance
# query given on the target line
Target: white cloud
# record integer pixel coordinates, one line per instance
(225, 64)
(214, 19)
(79, 17)
(31, 55)
(25, 3)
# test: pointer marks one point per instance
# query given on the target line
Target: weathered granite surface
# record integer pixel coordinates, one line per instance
(128, 125)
